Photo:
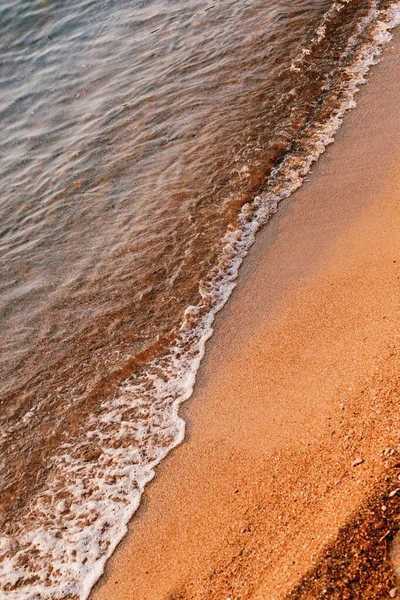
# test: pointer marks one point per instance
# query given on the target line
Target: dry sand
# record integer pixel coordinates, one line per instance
(300, 379)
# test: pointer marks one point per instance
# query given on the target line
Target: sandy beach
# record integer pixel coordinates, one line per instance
(294, 426)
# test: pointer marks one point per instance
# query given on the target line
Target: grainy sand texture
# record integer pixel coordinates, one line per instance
(282, 486)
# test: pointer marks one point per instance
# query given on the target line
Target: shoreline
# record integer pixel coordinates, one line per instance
(215, 522)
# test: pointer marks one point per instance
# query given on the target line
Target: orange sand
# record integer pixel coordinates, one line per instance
(301, 377)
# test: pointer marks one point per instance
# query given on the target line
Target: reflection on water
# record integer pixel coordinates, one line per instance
(132, 133)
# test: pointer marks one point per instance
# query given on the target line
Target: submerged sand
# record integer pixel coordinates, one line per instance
(301, 379)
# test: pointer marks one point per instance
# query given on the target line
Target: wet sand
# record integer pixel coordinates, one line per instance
(301, 378)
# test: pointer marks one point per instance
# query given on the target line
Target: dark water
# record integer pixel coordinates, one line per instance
(142, 144)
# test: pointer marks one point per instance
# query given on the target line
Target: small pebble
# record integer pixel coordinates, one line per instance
(357, 461)
(394, 492)
(393, 593)
(383, 507)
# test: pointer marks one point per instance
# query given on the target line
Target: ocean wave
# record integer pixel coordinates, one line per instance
(95, 485)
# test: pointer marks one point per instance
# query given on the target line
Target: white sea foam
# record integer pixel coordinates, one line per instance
(320, 34)
(95, 487)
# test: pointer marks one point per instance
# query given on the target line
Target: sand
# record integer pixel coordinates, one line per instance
(300, 379)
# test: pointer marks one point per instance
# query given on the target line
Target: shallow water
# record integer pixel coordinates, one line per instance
(142, 146)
